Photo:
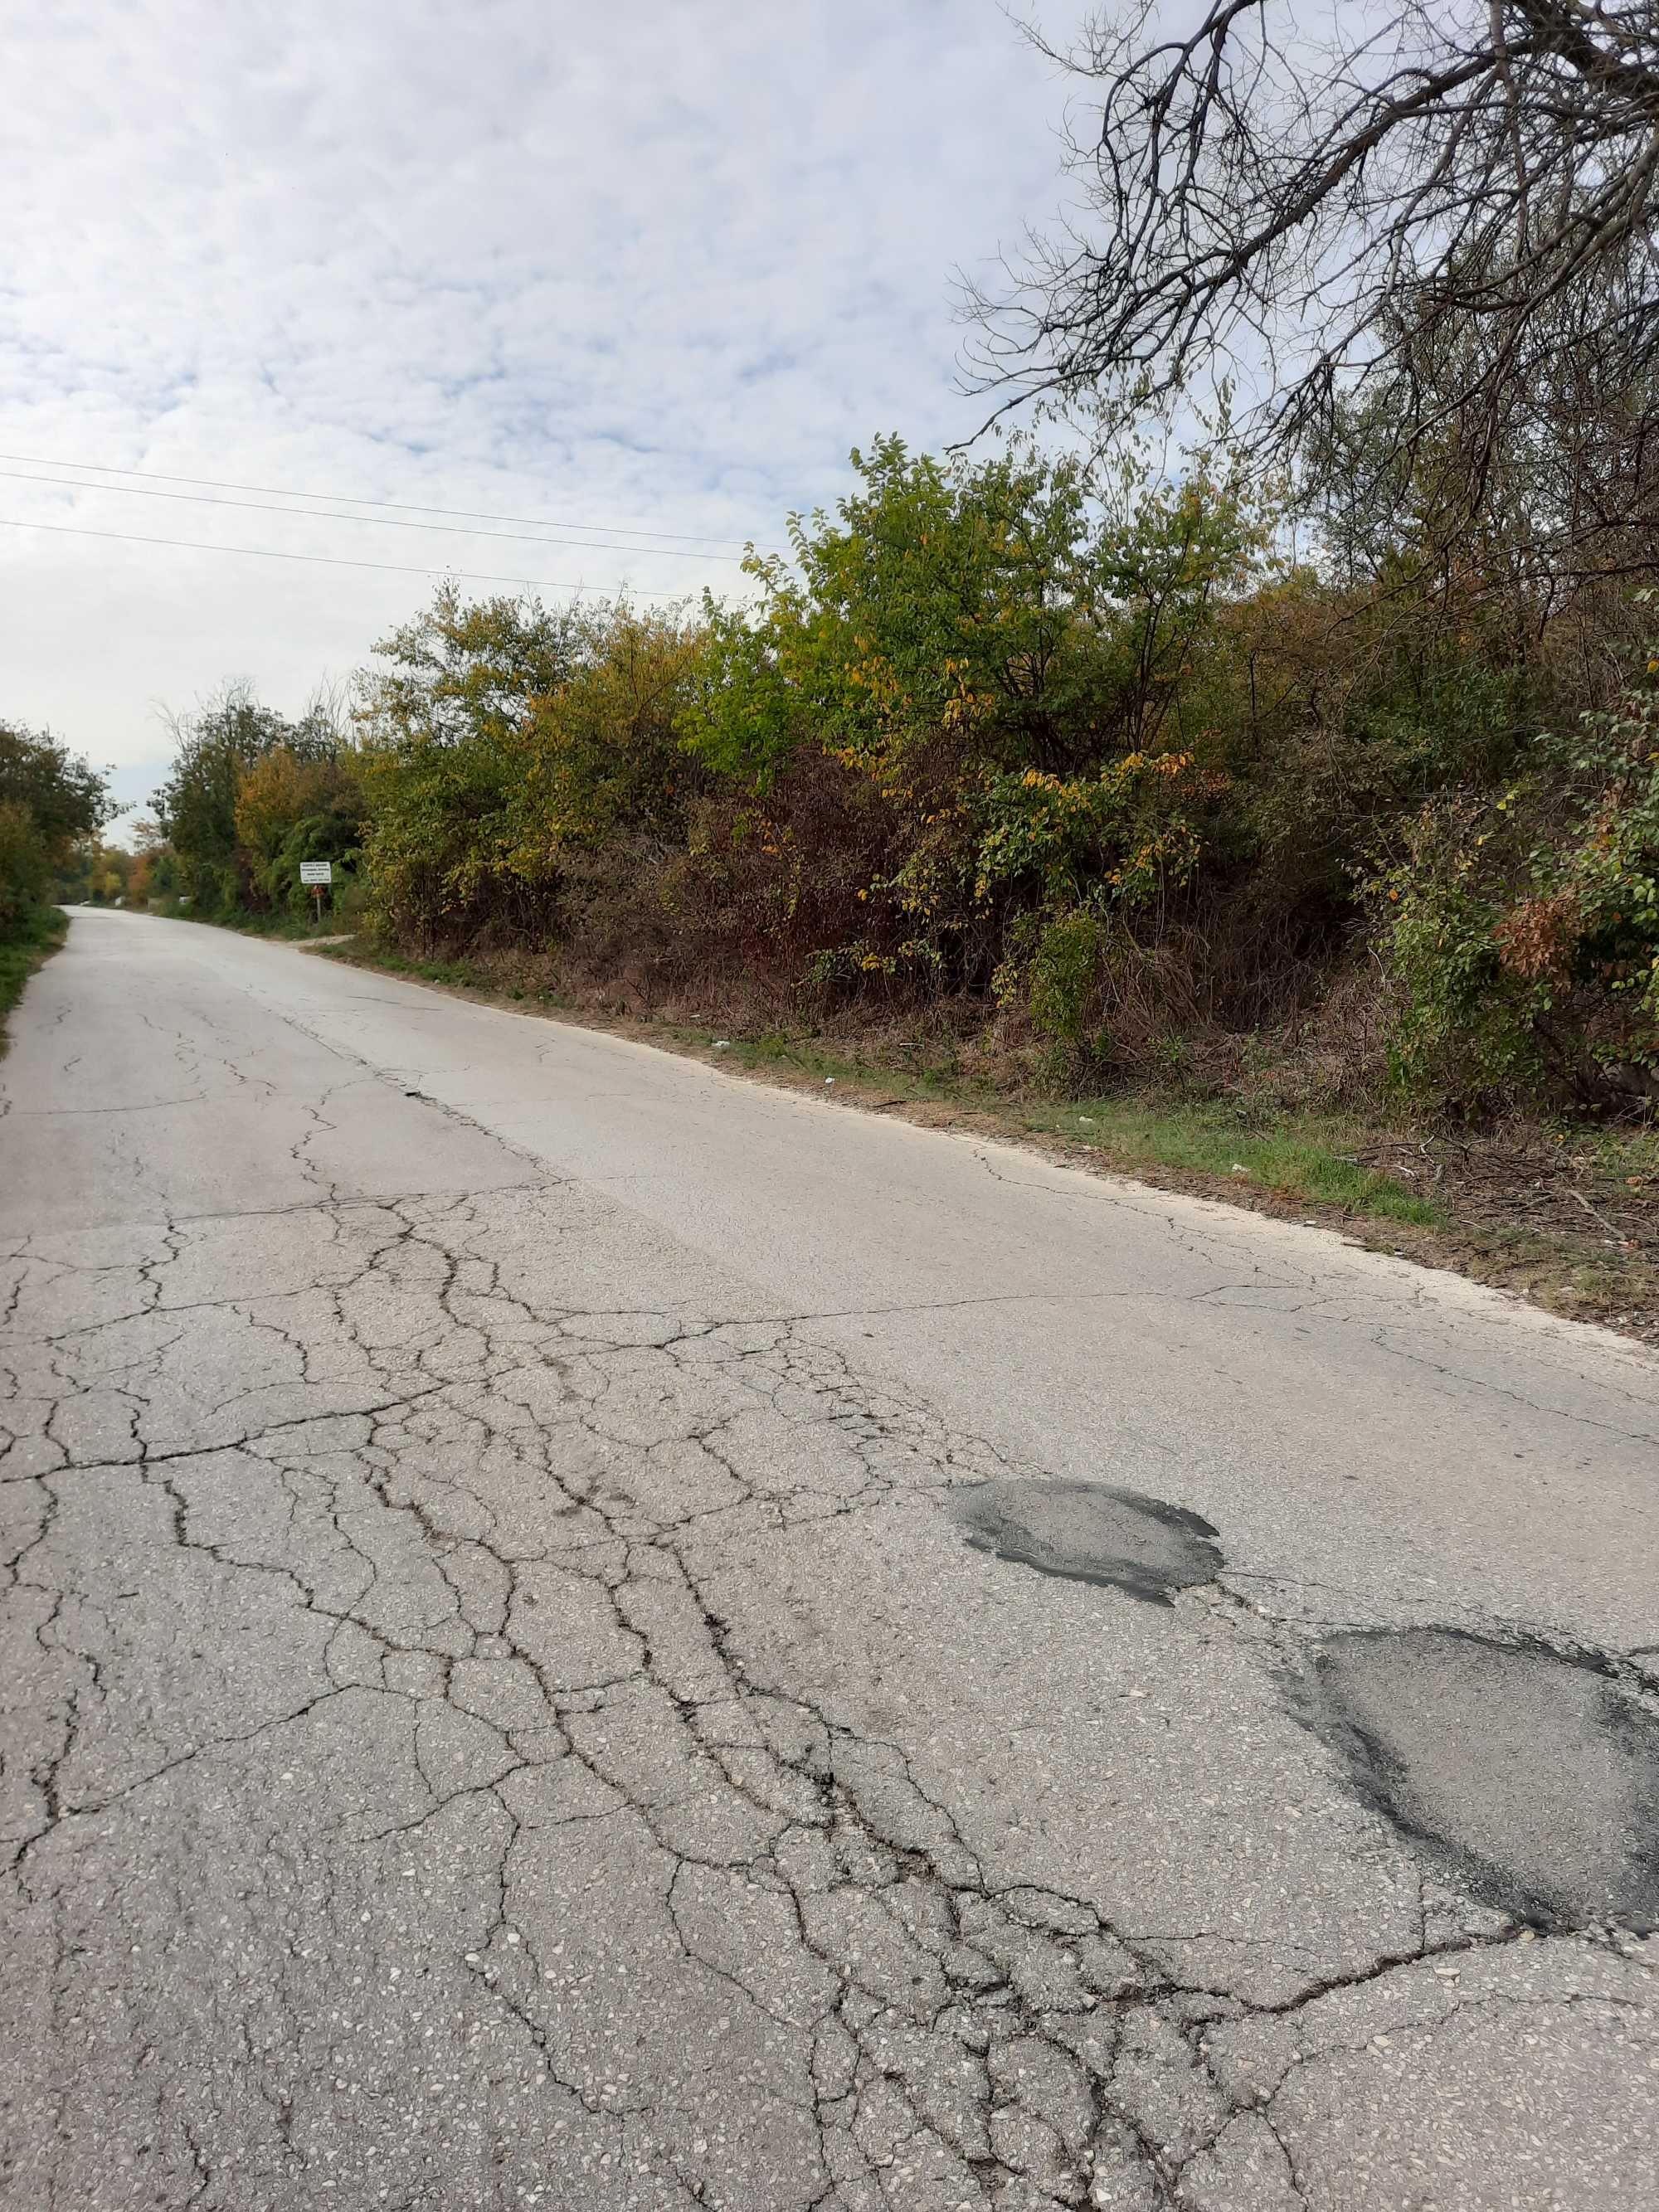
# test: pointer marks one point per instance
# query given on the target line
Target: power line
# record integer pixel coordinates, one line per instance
(375, 521)
(400, 506)
(325, 560)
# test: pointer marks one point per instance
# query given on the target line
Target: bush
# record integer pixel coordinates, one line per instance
(1522, 926)
(500, 742)
(1064, 986)
(25, 863)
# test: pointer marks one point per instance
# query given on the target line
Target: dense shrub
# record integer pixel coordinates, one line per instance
(1023, 671)
(1521, 924)
(25, 862)
(499, 742)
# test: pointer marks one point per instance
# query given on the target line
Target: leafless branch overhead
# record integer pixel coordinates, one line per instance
(1441, 197)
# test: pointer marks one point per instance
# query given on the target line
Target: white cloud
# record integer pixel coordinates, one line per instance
(653, 263)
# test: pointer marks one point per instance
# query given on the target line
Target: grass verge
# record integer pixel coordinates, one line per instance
(22, 949)
(1566, 1218)
(290, 929)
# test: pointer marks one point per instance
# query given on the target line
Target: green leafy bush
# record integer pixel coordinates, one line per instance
(1522, 926)
(1064, 986)
(25, 863)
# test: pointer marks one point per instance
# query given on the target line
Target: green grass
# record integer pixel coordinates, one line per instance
(458, 974)
(292, 928)
(1295, 1156)
(23, 948)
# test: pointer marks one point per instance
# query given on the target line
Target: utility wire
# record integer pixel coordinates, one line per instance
(377, 521)
(349, 498)
(326, 560)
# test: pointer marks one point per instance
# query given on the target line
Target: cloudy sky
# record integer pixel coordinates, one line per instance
(646, 267)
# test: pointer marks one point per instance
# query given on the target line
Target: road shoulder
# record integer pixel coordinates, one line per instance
(1520, 1222)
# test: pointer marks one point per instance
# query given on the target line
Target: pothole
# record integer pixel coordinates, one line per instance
(1533, 1776)
(1092, 1533)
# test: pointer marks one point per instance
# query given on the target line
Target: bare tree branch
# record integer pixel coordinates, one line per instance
(1451, 202)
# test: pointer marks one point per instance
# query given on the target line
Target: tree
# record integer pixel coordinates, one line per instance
(462, 670)
(1019, 612)
(154, 865)
(932, 613)
(65, 796)
(607, 758)
(448, 757)
(196, 806)
(215, 749)
(50, 799)
(1012, 653)
(291, 807)
(278, 791)
(1450, 204)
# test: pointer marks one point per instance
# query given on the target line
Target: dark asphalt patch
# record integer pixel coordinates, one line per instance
(1090, 1532)
(1533, 1777)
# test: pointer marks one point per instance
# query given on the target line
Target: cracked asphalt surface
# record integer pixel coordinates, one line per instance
(513, 1692)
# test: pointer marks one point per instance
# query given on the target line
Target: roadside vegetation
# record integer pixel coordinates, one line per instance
(1095, 781)
(51, 805)
(1275, 795)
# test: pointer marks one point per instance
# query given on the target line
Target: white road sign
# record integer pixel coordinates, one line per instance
(316, 871)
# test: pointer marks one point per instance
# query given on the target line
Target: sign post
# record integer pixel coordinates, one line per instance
(319, 874)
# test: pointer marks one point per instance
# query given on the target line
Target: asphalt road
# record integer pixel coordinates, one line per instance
(584, 1634)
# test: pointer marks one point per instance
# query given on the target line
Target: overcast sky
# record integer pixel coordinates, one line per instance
(656, 263)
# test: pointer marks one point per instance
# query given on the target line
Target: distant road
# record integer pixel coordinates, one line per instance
(587, 1633)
